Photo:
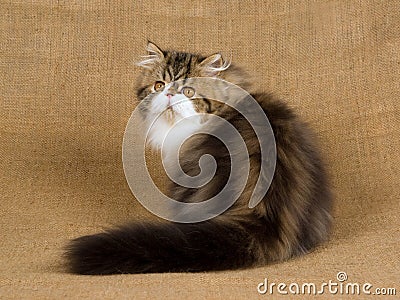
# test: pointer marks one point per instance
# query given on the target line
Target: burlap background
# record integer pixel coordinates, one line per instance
(67, 91)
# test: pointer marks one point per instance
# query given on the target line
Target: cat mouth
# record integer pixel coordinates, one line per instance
(171, 109)
(170, 114)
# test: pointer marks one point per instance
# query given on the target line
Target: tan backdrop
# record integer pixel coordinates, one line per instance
(67, 90)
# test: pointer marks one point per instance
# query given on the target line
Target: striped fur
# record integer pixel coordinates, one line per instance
(293, 218)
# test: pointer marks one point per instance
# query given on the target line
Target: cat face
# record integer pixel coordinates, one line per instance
(174, 101)
(164, 81)
(167, 96)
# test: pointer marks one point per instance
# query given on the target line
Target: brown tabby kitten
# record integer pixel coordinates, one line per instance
(293, 217)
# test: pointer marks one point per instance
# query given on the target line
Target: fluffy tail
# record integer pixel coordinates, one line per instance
(167, 247)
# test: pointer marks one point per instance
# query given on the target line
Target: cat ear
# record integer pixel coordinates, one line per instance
(155, 54)
(153, 49)
(214, 64)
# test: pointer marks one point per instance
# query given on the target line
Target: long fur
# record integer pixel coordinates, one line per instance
(293, 218)
(168, 247)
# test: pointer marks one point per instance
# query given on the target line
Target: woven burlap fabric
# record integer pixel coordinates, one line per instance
(67, 91)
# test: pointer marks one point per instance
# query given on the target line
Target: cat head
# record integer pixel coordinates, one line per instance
(174, 65)
(163, 87)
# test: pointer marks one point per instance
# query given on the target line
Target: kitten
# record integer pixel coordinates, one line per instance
(293, 217)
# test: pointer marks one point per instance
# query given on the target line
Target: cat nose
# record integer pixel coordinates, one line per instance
(169, 96)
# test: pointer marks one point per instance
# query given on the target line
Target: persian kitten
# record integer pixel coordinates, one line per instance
(293, 217)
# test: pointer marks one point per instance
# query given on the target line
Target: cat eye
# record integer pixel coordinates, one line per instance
(188, 92)
(159, 86)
